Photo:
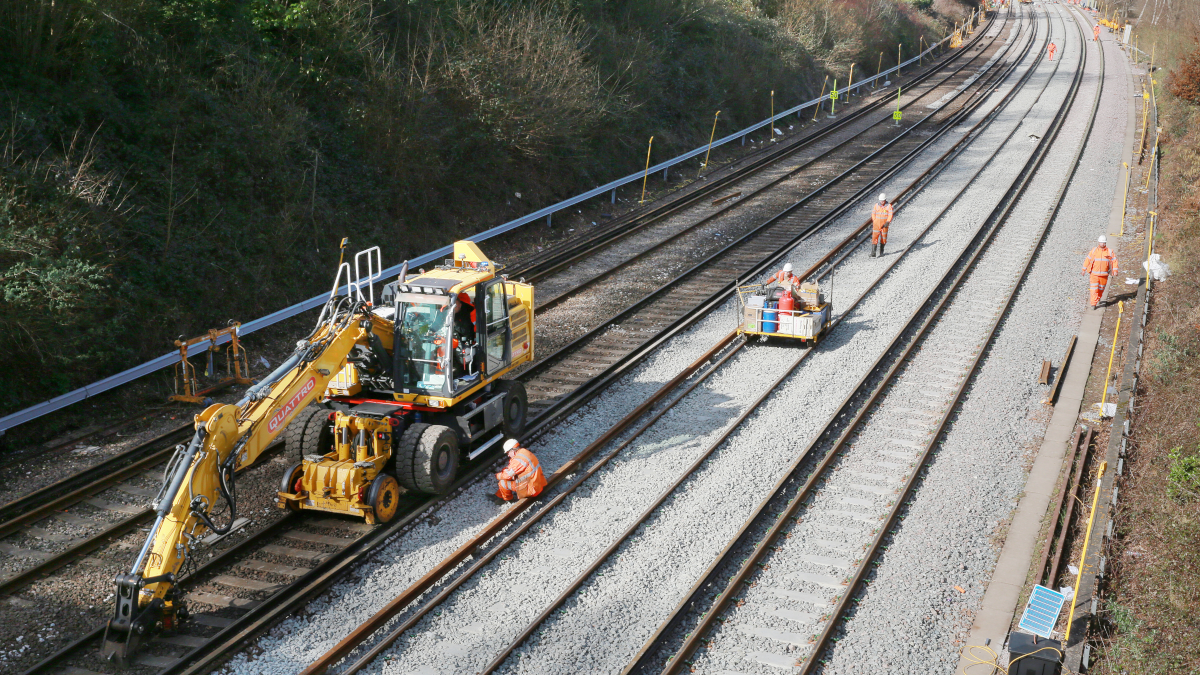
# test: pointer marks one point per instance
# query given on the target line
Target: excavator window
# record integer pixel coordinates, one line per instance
(422, 332)
(496, 313)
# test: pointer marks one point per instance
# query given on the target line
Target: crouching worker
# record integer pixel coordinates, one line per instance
(522, 477)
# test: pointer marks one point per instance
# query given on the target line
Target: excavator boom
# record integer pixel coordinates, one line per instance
(228, 437)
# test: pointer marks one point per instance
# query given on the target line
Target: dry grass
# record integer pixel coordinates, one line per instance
(1150, 609)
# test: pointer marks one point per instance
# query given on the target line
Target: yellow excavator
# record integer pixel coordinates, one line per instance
(404, 391)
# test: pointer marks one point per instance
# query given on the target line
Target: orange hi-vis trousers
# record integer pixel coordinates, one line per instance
(1097, 287)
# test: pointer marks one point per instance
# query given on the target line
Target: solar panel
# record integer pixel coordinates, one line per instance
(1041, 612)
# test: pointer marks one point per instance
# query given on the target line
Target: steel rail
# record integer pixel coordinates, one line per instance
(165, 360)
(944, 163)
(364, 632)
(184, 658)
(598, 562)
(563, 407)
(760, 550)
(874, 551)
(790, 174)
(638, 220)
(21, 506)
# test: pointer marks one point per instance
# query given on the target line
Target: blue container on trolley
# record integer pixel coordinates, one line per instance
(770, 322)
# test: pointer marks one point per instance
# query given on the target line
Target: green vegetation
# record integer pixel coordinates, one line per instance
(166, 165)
(1183, 474)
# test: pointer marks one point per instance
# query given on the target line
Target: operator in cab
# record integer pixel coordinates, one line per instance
(522, 477)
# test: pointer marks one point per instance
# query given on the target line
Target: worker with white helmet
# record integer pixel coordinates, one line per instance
(522, 477)
(881, 217)
(1100, 264)
(785, 278)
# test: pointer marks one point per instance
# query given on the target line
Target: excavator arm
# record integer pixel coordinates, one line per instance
(228, 437)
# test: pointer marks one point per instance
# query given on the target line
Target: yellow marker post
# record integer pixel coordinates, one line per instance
(897, 115)
(899, 50)
(833, 95)
(1083, 556)
(647, 174)
(850, 83)
(879, 68)
(1150, 247)
(820, 98)
(711, 136)
(772, 115)
(1125, 198)
(1112, 353)
(1145, 122)
(921, 50)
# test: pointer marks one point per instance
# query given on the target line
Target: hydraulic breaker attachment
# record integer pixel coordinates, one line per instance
(131, 624)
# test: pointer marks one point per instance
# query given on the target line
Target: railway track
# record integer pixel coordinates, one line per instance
(857, 476)
(767, 229)
(719, 354)
(108, 492)
(258, 613)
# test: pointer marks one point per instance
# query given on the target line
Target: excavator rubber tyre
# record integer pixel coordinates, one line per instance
(516, 407)
(384, 497)
(293, 436)
(288, 482)
(318, 434)
(406, 451)
(435, 460)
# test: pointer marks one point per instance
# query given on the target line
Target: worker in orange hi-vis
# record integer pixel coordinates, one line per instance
(785, 278)
(1100, 264)
(522, 477)
(881, 217)
(1095, 32)
(1052, 48)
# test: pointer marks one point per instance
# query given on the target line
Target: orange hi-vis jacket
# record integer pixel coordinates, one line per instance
(523, 475)
(881, 216)
(786, 279)
(1101, 262)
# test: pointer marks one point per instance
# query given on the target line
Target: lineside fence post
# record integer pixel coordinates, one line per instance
(647, 173)
(710, 142)
(772, 116)
(820, 100)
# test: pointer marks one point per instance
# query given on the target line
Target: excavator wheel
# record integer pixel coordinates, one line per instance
(318, 434)
(293, 436)
(384, 498)
(288, 482)
(405, 450)
(516, 405)
(428, 458)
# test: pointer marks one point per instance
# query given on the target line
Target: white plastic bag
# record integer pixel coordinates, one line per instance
(1159, 270)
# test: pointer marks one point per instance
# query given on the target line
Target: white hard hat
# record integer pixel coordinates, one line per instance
(1103, 239)
(882, 197)
(787, 267)
(510, 444)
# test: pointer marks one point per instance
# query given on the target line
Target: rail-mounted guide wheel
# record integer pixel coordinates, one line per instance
(384, 498)
(427, 459)
(290, 483)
